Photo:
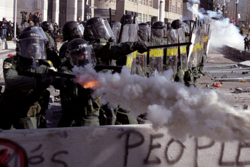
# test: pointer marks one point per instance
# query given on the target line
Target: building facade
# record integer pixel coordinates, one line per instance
(59, 11)
(145, 10)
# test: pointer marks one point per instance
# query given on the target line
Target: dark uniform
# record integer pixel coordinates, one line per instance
(78, 107)
(71, 30)
(25, 98)
(100, 36)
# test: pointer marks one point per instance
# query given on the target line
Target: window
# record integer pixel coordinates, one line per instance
(140, 2)
(139, 17)
(146, 2)
(150, 3)
(149, 18)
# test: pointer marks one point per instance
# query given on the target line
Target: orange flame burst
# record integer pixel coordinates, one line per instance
(90, 84)
(87, 84)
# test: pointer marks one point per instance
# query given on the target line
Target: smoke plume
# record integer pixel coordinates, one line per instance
(183, 110)
(223, 32)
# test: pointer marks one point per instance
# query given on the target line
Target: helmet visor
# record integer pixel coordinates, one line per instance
(101, 29)
(51, 28)
(82, 56)
(33, 48)
(79, 30)
(40, 31)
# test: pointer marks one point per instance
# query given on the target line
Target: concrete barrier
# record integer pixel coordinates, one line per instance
(243, 55)
(116, 146)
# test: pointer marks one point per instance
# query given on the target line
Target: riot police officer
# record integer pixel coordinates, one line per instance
(48, 29)
(70, 31)
(25, 98)
(157, 31)
(50, 52)
(100, 35)
(78, 107)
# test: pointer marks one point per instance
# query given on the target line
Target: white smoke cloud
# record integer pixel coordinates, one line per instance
(223, 32)
(184, 110)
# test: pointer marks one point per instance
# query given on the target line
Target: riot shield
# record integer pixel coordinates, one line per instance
(156, 59)
(183, 50)
(194, 48)
(143, 33)
(129, 33)
(116, 28)
(171, 53)
(139, 63)
(157, 36)
(200, 49)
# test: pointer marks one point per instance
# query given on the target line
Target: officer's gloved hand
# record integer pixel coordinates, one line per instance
(141, 47)
(44, 81)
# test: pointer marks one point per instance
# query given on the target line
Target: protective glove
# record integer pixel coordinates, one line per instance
(44, 81)
(141, 47)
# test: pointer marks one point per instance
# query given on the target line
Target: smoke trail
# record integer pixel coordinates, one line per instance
(185, 111)
(223, 32)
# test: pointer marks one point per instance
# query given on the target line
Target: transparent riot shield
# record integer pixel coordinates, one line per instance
(116, 28)
(183, 49)
(139, 63)
(156, 59)
(133, 64)
(171, 53)
(192, 55)
(200, 47)
(129, 33)
(157, 36)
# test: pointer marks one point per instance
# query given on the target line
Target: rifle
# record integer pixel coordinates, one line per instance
(169, 45)
(69, 76)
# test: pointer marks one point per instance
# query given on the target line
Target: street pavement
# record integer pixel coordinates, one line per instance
(228, 90)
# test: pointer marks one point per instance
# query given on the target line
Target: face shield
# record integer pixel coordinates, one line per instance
(39, 31)
(100, 29)
(185, 27)
(32, 48)
(143, 33)
(158, 33)
(82, 56)
(172, 36)
(51, 28)
(79, 30)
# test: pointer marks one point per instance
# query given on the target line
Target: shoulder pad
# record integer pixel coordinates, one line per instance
(7, 65)
(46, 62)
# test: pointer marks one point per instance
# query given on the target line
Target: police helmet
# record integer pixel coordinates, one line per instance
(157, 29)
(80, 52)
(149, 23)
(31, 45)
(72, 30)
(98, 28)
(176, 24)
(158, 25)
(47, 26)
(127, 19)
(38, 30)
